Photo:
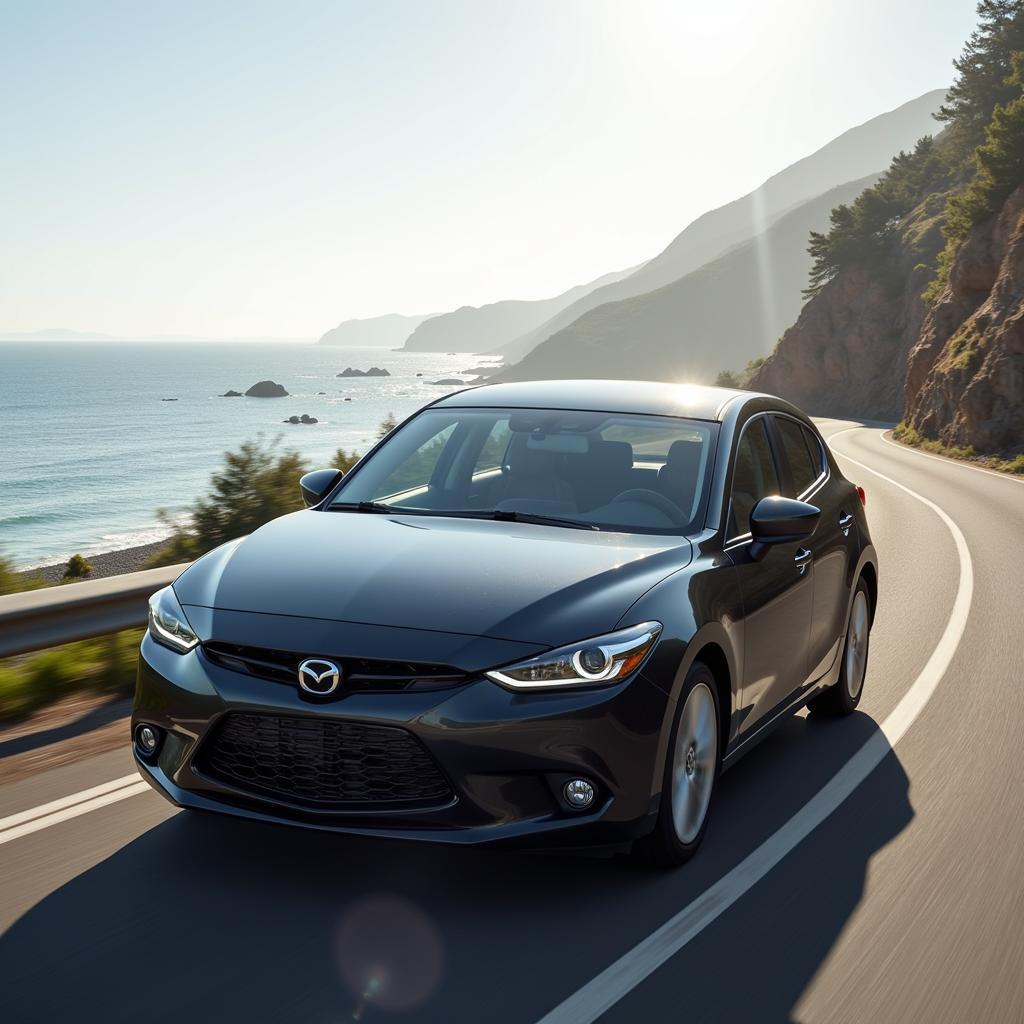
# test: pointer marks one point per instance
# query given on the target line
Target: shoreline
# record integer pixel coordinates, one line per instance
(108, 563)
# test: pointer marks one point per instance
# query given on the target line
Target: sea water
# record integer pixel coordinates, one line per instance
(89, 451)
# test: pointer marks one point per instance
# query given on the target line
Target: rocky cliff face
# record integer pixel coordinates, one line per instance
(846, 355)
(965, 378)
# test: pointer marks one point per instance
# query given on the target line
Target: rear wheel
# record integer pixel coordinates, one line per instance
(691, 770)
(844, 696)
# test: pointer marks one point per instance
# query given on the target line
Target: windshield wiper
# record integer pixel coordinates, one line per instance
(363, 506)
(511, 516)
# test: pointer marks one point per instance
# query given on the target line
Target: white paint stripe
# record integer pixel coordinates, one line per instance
(616, 981)
(73, 811)
(961, 463)
(67, 801)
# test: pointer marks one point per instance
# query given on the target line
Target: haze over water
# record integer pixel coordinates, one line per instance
(89, 452)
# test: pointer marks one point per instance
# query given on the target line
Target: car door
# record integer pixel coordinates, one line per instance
(806, 476)
(777, 589)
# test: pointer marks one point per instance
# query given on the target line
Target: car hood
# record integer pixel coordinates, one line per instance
(514, 581)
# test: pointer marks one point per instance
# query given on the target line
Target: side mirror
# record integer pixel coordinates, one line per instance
(778, 520)
(316, 484)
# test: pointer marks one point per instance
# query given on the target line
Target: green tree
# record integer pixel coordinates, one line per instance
(983, 72)
(727, 379)
(256, 484)
(999, 168)
(861, 233)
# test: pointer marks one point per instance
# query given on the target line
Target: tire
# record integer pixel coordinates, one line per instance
(693, 761)
(844, 695)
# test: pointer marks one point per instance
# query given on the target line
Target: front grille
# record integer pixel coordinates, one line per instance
(358, 674)
(322, 763)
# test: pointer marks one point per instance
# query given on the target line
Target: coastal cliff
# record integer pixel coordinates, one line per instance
(965, 377)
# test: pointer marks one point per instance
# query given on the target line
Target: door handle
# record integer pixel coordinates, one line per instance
(802, 559)
(845, 522)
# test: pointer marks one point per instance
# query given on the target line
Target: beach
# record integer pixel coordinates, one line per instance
(109, 563)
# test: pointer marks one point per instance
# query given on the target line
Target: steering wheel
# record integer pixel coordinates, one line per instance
(659, 501)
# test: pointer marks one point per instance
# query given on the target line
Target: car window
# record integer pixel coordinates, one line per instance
(414, 472)
(492, 454)
(803, 470)
(814, 446)
(754, 476)
(616, 471)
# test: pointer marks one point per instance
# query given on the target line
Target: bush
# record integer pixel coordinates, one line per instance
(14, 582)
(258, 483)
(78, 568)
(105, 665)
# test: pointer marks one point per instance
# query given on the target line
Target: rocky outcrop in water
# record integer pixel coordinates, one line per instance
(304, 418)
(266, 389)
(373, 371)
(231, 394)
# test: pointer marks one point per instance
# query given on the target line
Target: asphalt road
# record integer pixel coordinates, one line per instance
(842, 879)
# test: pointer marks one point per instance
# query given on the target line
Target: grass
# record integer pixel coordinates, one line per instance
(915, 439)
(104, 665)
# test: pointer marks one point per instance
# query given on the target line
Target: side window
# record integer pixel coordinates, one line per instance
(493, 452)
(803, 471)
(414, 472)
(814, 446)
(754, 476)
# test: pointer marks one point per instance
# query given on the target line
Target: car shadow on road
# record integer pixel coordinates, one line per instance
(206, 917)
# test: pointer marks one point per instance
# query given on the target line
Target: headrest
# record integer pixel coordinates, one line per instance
(683, 458)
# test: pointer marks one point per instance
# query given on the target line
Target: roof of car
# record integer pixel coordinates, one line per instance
(693, 401)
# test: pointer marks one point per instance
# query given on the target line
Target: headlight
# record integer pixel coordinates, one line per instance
(167, 622)
(588, 663)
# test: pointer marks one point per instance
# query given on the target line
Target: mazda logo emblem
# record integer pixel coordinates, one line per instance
(319, 676)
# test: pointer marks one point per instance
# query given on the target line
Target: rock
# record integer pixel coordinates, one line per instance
(446, 382)
(291, 419)
(846, 355)
(481, 371)
(419, 374)
(348, 399)
(304, 418)
(231, 394)
(373, 371)
(965, 381)
(266, 389)
(321, 392)
(168, 399)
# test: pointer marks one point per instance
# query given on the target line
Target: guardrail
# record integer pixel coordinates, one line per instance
(37, 619)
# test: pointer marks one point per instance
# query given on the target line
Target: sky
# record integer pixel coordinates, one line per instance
(250, 169)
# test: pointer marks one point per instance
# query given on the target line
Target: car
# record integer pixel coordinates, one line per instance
(542, 613)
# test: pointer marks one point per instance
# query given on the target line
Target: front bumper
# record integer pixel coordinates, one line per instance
(505, 755)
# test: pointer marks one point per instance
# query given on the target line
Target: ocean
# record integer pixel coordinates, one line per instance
(89, 451)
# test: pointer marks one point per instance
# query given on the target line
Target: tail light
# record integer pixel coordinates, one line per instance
(863, 497)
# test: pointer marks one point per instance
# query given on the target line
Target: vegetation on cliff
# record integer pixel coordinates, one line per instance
(975, 162)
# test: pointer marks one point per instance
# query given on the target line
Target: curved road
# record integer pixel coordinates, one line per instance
(842, 879)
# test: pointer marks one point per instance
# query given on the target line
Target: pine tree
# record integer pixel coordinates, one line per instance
(983, 72)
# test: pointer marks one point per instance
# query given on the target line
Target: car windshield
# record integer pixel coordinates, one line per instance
(594, 470)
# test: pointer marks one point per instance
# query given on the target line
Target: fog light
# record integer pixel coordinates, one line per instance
(147, 738)
(578, 793)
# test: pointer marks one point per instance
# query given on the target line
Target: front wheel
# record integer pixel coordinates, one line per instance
(843, 697)
(691, 770)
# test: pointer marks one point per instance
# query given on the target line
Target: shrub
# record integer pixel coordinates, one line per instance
(78, 568)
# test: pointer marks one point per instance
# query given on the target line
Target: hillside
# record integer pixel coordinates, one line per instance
(721, 315)
(387, 331)
(919, 304)
(481, 328)
(846, 355)
(854, 154)
(965, 379)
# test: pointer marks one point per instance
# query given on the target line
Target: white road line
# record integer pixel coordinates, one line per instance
(617, 980)
(46, 812)
(73, 812)
(961, 463)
